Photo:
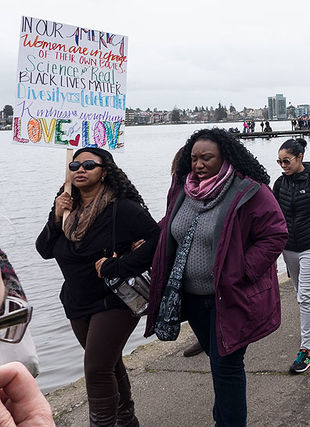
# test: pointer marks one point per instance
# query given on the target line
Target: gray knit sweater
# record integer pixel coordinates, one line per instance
(198, 277)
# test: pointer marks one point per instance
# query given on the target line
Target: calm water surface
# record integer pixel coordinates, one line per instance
(30, 178)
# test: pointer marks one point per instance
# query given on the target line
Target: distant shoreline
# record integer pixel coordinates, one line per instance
(184, 123)
(203, 122)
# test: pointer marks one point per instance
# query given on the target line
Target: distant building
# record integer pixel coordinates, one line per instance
(160, 116)
(291, 112)
(277, 107)
(258, 114)
(233, 116)
(302, 110)
(129, 117)
(143, 118)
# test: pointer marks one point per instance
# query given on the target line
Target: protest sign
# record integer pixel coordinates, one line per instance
(71, 86)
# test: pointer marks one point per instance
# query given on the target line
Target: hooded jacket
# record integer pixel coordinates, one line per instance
(249, 235)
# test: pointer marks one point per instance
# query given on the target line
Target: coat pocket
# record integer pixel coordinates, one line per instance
(261, 285)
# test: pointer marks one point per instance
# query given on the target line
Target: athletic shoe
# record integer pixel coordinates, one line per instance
(302, 363)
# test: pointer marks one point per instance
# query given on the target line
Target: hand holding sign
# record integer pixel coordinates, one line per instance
(63, 203)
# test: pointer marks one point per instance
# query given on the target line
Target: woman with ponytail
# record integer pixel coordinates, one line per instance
(292, 190)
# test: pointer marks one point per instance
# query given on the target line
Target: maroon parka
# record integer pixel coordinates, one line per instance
(249, 235)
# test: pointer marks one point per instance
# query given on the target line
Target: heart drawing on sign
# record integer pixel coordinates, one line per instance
(75, 141)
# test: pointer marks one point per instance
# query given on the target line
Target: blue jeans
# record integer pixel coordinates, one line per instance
(228, 372)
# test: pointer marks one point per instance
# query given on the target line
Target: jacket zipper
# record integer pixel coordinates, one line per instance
(293, 209)
(220, 323)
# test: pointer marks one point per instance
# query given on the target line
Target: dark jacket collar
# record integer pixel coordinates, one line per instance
(300, 176)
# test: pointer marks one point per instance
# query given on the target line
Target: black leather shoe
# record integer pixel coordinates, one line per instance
(193, 350)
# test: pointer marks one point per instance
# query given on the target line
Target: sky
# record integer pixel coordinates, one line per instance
(185, 53)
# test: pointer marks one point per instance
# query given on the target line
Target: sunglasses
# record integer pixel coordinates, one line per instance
(285, 161)
(15, 317)
(88, 165)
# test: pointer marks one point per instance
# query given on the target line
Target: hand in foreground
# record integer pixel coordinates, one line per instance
(63, 202)
(137, 244)
(99, 263)
(21, 402)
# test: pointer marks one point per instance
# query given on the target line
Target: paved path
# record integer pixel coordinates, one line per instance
(173, 391)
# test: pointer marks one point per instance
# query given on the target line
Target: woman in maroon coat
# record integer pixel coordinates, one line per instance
(229, 283)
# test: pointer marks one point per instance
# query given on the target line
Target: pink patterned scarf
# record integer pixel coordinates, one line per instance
(208, 188)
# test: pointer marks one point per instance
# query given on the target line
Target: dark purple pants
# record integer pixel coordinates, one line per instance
(103, 337)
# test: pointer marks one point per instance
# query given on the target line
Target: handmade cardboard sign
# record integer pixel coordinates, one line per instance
(71, 86)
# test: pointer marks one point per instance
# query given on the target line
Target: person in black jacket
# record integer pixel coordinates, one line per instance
(292, 190)
(101, 322)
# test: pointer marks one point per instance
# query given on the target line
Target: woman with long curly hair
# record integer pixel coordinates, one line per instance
(222, 234)
(101, 322)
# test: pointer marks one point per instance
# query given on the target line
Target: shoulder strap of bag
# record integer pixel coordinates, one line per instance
(114, 225)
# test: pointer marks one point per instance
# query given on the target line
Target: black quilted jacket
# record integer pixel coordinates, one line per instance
(293, 195)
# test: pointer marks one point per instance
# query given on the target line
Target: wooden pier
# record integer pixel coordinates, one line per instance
(292, 133)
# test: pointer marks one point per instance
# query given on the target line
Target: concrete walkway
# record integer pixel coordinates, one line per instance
(173, 391)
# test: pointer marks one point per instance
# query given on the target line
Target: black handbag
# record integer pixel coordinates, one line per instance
(133, 291)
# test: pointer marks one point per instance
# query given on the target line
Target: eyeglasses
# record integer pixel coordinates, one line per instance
(286, 162)
(88, 165)
(15, 317)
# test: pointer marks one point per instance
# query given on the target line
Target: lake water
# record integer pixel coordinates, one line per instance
(30, 178)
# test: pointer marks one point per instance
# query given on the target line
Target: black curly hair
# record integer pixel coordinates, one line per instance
(294, 146)
(232, 150)
(116, 179)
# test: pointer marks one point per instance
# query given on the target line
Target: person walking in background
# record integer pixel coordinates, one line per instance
(101, 322)
(245, 127)
(230, 294)
(262, 125)
(292, 190)
(267, 127)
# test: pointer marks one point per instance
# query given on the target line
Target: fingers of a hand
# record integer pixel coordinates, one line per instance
(3, 396)
(67, 204)
(99, 272)
(5, 417)
(137, 244)
(34, 412)
(65, 201)
(17, 382)
(100, 261)
(64, 196)
(25, 402)
(98, 266)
